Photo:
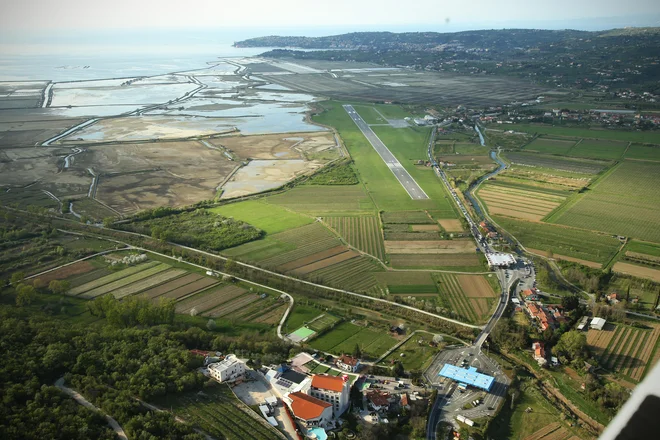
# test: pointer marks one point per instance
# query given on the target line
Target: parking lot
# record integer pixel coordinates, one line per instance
(452, 400)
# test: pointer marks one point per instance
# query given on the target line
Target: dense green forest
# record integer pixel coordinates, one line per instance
(113, 362)
(200, 229)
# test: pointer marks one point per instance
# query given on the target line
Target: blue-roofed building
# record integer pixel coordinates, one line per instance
(468, 376)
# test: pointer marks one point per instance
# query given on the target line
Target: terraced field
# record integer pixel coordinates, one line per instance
(518, 203)
(624, 202)
(363, 233)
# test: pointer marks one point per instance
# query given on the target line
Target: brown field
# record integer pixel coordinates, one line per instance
(425, 227)
(529, 216)
(159, 290)
(566, 258)
(598, 340)
(528, 205)
(451, 225)
(66, 272)
(430, 260)
(475, 286)
(28, 133)
(232, 306)
(148, 175)
(312, 258)
(629, 350)
(43, 168)
(277, 146)
(147, 283)
(210, 299)
(193, 287)
(327, 262)
(271, 317)
(429, 246)
(637, 271)
(543, 432)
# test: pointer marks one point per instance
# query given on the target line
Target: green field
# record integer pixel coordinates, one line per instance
(344, 337)
(267, 217)
(324, 200)
(599, 149)
(643, 248)
(550, 146)
(563, 241)
(624, 202)
(416, 356)
(643, 152)
(299, 316)
(650, 137)
(218, 413)
(323, 323)
(369, 114)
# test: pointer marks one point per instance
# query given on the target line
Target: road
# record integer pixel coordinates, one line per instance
(87, 404)
(402, 175)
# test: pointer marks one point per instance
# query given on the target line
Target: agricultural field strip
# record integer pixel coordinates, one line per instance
(195, 286)
(79, 280)
(634, 353)
(272, 317)
(638, 372)
(231, 306)
(256, 310)
(164, 288)
(362, 233)
(621, 332)
(300, 262)
(513, 192)
(148, 283)
(110, 278)
(107, 288)
(301, 252)
(626, 348)
(205, 301)
(543, 432)
(463, 299)
(303, 270)
(598, 340)
(413, 260)
(407, 217)
(348, 270)
(516, 205)
(456, 297)
(528, 200)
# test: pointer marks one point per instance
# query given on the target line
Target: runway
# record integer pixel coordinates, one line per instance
(404, 178)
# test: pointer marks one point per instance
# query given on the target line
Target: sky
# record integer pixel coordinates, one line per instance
(20, 17)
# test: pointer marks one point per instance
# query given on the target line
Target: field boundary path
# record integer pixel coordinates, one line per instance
(402, 175)
(59, 383)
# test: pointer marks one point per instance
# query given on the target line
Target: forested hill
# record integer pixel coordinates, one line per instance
(605, 61)
(498, 40)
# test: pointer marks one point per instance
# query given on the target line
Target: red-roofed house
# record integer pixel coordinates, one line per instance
(348, 363)
(529, 295)
(309, 410)
(332, 389)
(378, 399)
(539, 353)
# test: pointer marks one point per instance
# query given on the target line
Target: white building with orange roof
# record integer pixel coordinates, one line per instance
(332, 389)
(309, 410)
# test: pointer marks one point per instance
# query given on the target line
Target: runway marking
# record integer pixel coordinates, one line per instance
(392, 162)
